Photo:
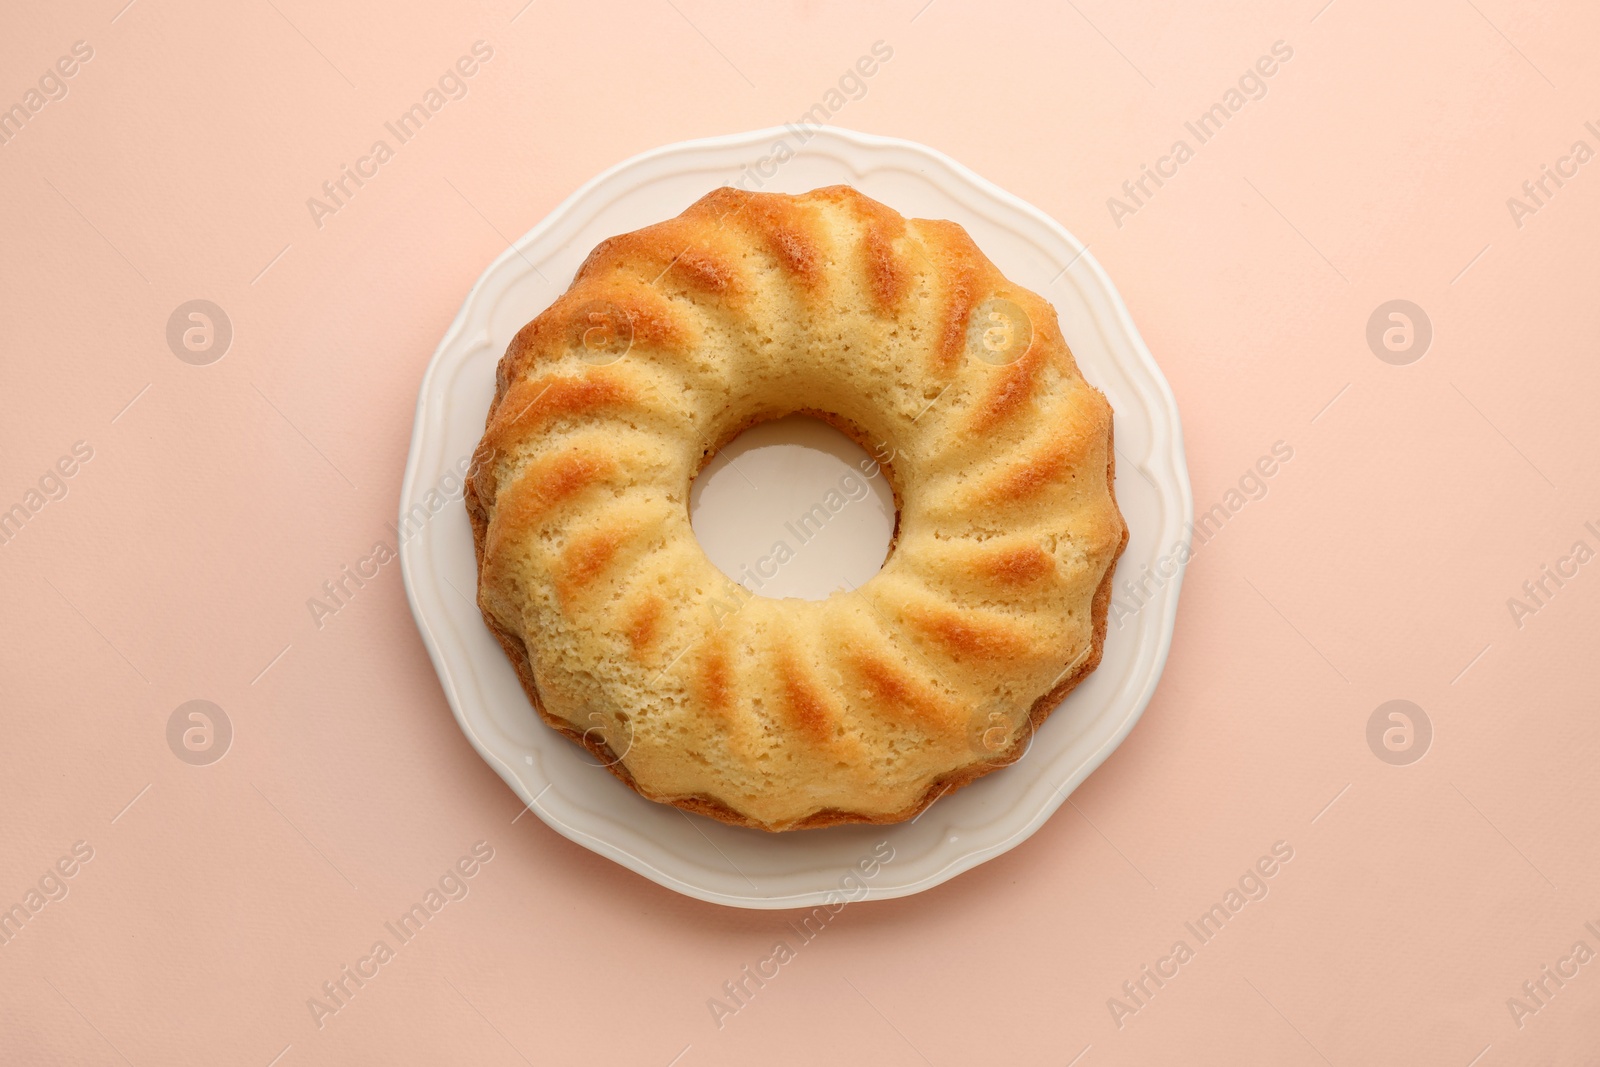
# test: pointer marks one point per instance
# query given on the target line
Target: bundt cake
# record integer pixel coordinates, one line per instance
(785, 714)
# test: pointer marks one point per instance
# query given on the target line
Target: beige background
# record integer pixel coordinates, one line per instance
(1378, 565)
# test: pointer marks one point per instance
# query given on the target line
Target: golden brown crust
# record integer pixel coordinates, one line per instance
(1018, 565)
(644, 621)
(588, 556)
(579, 514)
(806, 709)
(1009, 395)
(962, 268)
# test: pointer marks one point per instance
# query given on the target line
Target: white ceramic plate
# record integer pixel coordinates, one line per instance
(700, 857)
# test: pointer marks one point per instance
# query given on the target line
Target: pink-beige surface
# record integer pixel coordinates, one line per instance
(1434, 890)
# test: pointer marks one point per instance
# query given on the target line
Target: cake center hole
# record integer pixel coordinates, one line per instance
(794, 508)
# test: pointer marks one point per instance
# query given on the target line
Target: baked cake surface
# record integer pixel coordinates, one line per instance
(783, 714)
